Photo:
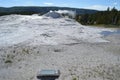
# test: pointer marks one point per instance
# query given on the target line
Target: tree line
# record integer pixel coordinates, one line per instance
(108, 17)
(21, 13)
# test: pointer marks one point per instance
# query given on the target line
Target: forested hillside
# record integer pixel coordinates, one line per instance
(42, 10)
(108, 17)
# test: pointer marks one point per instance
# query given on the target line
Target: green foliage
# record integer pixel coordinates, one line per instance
(74, 78)
(8, 61)
(108, 17)
(25, 51)
(8, 58)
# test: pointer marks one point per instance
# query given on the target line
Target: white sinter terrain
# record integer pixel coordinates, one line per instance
(48, 29)
(31, 43)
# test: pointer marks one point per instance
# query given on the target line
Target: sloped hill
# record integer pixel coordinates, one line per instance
(16, 29)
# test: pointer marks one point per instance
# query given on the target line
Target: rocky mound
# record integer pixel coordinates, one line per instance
(53, 14)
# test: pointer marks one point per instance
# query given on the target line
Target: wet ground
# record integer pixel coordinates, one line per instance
(107, 33)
